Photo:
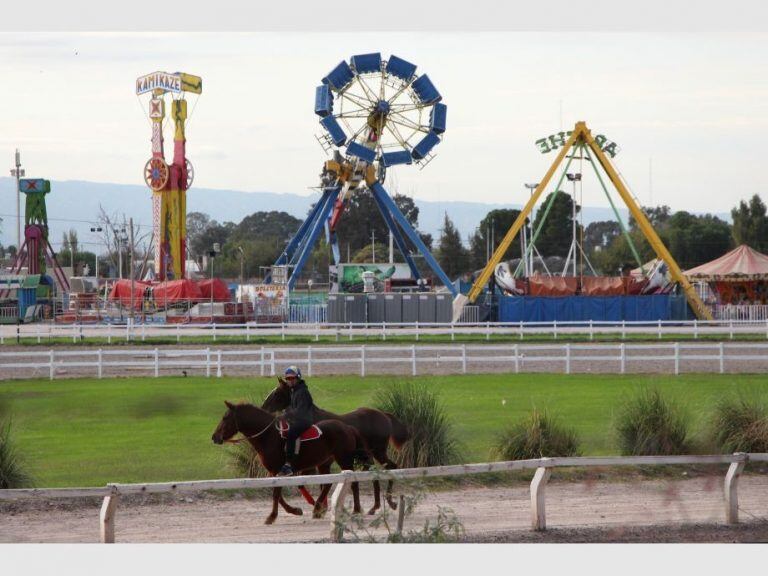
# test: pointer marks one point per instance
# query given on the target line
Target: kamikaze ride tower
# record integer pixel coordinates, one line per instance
(169, 182)
(375, 114)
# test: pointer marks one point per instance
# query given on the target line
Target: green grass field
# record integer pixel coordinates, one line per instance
(89, 432)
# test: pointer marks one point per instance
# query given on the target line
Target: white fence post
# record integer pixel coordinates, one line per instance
(554, 330)
(623, 357)
(309, 360)
(568, 358)
(623, 329)
(247, 333)
(178, 333)
(517, 359)
(730, 329)
(591, 331)
(731, 491)
(107, 518)
(487, 330)
(350, 332)
(157, 363)
(721, 350)
(362, 361)
(413, 360)
(336, 511)
(659, 329)
(207, 362)
(218, 364)
(677, 358)
(417, 330)
(383, 330)
(143, 332)
(51, 355)
(98, 359)
(538, 498)
(695, 329)
(521, 329)
(463, 358)
(109, 333)
(262, 361)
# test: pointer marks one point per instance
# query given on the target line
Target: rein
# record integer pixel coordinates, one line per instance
(245, 438)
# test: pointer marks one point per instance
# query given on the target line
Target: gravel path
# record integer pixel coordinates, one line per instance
(689, 510)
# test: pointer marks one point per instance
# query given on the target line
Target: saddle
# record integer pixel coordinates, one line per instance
(311, 433)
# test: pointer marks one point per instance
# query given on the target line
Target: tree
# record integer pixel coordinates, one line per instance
(557, 233)
(452, 256)
(750, 224)
(266, 225)
(489, 234)
(599, 235)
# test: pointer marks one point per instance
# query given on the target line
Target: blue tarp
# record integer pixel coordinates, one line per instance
(323, 100)
(392, 158)
(427, 143)
(425, 90)
(355, 149)
(337, 133)
(598, 308)
(437, 118)
(339, 76)
(400, 68)
(364, 63)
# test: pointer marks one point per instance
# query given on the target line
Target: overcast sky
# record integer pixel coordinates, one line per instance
(693, 105)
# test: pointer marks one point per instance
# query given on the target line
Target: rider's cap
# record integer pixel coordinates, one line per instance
(292, 371)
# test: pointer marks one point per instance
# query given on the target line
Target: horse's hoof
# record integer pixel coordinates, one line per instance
(373, 510)
(392, 504)
(297, 512)
(270, 519)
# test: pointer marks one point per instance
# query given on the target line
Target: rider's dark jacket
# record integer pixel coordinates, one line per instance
(302, 407)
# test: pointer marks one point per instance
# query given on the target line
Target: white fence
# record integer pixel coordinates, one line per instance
(349, 331)
(543, 466)
(672, 357)
(748, 312)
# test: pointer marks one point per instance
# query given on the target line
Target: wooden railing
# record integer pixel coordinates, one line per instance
(543, 467)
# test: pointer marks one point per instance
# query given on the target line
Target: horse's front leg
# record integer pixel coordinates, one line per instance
(276, 496)
(288, 508)
(321, 504)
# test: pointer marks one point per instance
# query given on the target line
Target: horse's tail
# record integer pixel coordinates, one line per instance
(362, 453)
(399, 434)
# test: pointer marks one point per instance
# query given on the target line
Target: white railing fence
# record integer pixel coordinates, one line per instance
(543, 466)
(671, 357)
(131, 331)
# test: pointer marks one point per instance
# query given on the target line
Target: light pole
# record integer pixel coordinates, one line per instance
(18, 172)
(96, 229)
(212, 255)
(575, 177)
(242, 258)
(531, 187)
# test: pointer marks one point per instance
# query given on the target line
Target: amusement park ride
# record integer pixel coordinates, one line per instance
(382, 114)
(36, 253)
(169, 183)
(581, 144)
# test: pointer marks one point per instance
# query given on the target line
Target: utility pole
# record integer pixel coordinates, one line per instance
(133, 318)
(18, 172)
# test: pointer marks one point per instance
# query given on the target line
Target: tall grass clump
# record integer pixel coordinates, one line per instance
(13, 473)
(537, 435)
(648, 424)
(433, 440)
(740, 424)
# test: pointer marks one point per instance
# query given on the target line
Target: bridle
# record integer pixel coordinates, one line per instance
(245, 438)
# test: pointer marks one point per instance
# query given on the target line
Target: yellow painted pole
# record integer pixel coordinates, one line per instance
(509, 237)
(702, 312)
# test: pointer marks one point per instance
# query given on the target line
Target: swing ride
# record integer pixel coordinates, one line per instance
(582, 145)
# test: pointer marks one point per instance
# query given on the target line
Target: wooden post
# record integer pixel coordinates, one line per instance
(538, 495)
(107, 518)
(400, 514)
(731, 491)
(336, 511)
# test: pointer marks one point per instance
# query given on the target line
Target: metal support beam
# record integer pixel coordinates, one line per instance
(398, 238)
(379, 191)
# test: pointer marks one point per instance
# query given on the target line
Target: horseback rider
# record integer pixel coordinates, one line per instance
(299, 415)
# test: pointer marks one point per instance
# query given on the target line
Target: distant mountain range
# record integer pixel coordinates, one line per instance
(75, 204)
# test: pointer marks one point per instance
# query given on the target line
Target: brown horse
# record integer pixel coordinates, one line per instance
(337, 442)
(375, 426)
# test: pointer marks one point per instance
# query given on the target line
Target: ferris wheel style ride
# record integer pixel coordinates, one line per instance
(374, 114)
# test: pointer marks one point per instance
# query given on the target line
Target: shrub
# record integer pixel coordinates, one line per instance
(740, 424)
(433, 441)
(648, 424)
(536, 436)
(12, 471)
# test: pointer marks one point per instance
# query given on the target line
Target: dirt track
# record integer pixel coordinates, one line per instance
(690, 510)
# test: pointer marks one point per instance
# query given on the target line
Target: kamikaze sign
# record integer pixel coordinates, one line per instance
(558, 140)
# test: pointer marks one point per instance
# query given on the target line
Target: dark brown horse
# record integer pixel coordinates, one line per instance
(375, 426)
(338, 442)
